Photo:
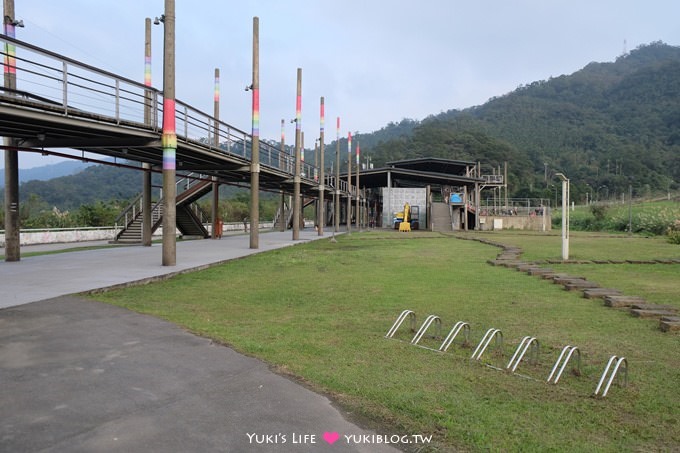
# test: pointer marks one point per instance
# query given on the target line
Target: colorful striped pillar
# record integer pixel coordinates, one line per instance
(12, 218)
(349, 183)
(146, 176)
(297, 208)
(336, 200)
(358, 196)
(255, 157)
(322, 176)
(169, 139)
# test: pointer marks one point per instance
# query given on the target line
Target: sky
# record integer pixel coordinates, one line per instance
(374, 61)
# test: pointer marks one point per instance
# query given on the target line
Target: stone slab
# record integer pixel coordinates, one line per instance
(599, 293)
(657, 307)
(540, 271)
(671, 318)
(668, 326)
(552, 276)
(579, 284)
(622, 301)
(563, 279)
(650, 313)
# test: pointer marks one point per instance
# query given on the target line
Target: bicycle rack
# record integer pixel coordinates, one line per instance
(619, 361)
(566, 354)
(486, 339)
(524, 345)
(460, 325)
(404, 314)
(426, 325)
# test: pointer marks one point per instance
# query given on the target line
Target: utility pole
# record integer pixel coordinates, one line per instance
(12, 221)
(146, 174)
(169, 138)
(255, 159)
(322, 176)
(336, 202)
(296, 176)
(216, 224)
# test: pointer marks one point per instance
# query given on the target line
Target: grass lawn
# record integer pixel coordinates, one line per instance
(319, 311)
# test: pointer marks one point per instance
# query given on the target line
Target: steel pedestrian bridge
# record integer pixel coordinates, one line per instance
(61, 103)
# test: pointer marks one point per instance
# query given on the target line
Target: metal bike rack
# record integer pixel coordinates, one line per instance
(524, 345)
(426, 325)
(486, 339)
(566, 354)
(619, 361)
(404, 314)
(460, 325)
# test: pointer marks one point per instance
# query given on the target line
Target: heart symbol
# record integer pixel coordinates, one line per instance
(331, 438)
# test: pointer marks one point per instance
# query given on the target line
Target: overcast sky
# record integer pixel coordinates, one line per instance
(374, 61)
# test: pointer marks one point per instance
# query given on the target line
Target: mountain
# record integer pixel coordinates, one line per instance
(608, 125)
(94, 183)
(45, 172)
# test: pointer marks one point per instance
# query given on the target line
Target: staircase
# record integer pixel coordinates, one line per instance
(441, 217)
(189, 219)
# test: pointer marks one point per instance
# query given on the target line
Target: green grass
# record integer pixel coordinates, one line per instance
(584, 245)
(319, 311)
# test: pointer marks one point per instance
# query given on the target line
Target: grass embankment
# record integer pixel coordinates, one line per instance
(320, 310)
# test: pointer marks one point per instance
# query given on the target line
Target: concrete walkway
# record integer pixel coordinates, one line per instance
(84, 376)
(42, 277)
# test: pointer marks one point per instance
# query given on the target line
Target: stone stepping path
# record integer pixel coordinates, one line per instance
(600, 293)
(669, 323)
(669, 320)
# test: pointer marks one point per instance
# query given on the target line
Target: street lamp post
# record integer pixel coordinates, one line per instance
(565, 215)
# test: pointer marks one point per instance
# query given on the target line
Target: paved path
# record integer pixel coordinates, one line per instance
(83, 376)
(42, 277)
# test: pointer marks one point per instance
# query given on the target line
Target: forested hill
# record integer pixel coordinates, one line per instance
(609, 124)
(606, 126)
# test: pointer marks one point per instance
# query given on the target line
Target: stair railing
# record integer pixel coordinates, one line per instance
(127, 215)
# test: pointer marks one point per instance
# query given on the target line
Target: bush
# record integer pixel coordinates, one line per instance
(673, 233)
(599, 211)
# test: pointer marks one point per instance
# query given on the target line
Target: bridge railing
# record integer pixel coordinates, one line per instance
(57, 83)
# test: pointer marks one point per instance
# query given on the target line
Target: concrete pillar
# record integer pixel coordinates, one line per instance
(12, 220)
(169, 139)
(282, 165)
(349, 183)
(216, 233)
(358, 200)
(146, 174)
(255, 159)
(296, 176)
(336, 202)
(322, 175)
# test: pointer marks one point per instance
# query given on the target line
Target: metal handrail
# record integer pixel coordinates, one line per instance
(79, 88)
(130, 207)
